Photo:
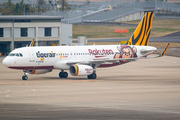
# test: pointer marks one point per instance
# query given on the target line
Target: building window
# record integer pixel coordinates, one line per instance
(47, 31)
(24, 32)
(1, 32)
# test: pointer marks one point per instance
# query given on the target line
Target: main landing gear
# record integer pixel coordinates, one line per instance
(63, 74)
(25, 77)
(92, 76)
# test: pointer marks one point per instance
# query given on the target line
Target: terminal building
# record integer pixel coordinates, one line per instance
(18, 31)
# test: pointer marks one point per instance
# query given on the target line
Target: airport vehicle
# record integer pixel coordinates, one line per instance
(83, 60)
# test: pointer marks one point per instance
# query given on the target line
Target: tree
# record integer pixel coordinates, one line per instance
(64, 5)
(41, 2)
(18, 9)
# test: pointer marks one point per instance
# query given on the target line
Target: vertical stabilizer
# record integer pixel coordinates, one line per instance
(142, 33)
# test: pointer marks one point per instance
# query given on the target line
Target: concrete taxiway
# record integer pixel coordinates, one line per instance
(145, 89)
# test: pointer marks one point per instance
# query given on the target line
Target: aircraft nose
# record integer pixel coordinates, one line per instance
(5, 62)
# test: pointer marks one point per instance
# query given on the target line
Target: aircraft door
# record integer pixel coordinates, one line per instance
(31, 55)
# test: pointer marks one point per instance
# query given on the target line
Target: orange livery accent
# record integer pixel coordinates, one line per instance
(142, 32)
(33, 71)
(77, 69)
(164, 52)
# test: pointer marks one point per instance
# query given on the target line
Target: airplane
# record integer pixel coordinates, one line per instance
(83, 60)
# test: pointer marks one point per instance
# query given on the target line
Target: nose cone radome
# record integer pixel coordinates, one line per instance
(5, 62)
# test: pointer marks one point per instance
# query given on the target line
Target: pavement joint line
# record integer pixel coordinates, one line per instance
(79, 99)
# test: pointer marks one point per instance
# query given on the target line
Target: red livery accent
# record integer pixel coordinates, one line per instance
(32, 67)
(103, 51)
(121, 31)
(99, 56)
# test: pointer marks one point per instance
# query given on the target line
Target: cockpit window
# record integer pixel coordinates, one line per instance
(16, 54)
(12, 54)
(20, 55)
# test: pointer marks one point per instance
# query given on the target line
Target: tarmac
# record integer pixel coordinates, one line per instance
(147, 89)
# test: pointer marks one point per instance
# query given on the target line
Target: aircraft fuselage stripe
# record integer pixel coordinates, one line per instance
(32, 67)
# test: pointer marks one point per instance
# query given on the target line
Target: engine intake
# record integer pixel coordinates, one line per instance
(80, 70)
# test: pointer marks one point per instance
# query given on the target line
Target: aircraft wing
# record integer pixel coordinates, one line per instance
(147, 52)
(113, 60)
(100, 61)
(116, 60)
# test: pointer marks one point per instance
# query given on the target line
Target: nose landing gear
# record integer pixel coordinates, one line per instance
(25, 77)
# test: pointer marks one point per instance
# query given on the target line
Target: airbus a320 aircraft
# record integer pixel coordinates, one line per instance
(83, 60)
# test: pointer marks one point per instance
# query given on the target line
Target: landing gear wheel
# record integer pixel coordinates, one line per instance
(63, 74)
(89, 76)
(92, 76)
(24, 77)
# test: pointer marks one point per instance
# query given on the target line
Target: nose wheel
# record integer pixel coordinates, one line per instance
(25, 77)
(63, 74)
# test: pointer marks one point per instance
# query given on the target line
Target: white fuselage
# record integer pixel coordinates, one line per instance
(57, 57)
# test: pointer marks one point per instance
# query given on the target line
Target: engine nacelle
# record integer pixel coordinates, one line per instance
(80, 70)
(39, 71)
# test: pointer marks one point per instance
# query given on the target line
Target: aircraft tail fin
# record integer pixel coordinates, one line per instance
(142, 33)
(32, 43)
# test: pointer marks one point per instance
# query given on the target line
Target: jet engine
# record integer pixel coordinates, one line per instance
(80, 70)
(39, 71)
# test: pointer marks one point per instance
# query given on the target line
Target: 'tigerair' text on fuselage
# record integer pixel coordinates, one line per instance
(44, 55)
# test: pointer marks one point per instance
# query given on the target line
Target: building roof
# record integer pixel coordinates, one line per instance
(173, 1)
(30, 17)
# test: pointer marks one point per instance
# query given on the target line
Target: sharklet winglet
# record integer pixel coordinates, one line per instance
(32, 43)
(164, 52)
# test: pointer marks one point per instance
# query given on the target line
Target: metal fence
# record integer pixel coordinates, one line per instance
(99, 11)
(118, 11)
(167, 6)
